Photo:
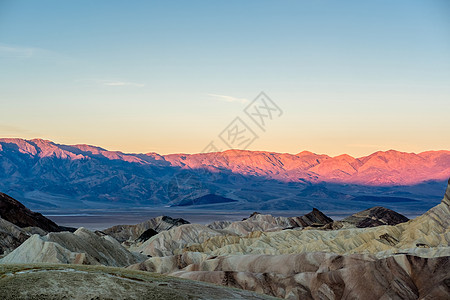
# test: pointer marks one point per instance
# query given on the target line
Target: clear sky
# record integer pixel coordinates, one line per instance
(168, 76)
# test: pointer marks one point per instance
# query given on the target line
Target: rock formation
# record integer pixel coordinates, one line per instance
(146, 235)
(169, 264)
(173, 241)
(328, 276)
(80, 247)
(130, 233)
(375, 216)
(314, 218)
(266, 223)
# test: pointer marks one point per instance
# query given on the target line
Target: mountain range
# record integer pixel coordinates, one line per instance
(46, 175)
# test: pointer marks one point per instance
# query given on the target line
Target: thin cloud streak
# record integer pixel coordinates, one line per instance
(229, 98)
(123, 83)
(112, 83)
(14, 53)
(9, 51)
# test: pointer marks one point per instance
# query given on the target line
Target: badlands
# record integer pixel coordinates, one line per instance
(373, 254)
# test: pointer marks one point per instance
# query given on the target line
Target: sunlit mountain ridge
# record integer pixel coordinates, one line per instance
(48, 174)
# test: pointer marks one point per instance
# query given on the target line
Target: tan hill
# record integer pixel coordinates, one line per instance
(80, 247)
(266, 223)
(176, 239)
(172, 241)
(130, 233)
(328, 276)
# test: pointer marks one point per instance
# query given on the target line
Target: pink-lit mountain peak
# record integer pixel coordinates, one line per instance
(89, 148)
(22, 145)
(344, 157)
(41, 148)
(379, 168)
(393, 160)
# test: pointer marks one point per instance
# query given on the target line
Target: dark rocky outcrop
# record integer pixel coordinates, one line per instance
(252, 215)
(16, 213)
(375, 216)
(146, 235)
(314, 218)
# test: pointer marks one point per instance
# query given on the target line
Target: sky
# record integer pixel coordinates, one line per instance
(171, 76)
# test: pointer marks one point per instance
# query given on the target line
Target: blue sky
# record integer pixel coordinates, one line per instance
(351, 76)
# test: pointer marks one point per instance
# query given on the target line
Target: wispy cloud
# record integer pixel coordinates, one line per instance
(123, 83)
(13, 52)
(9, 51)
(228, 98)
(112, 83)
